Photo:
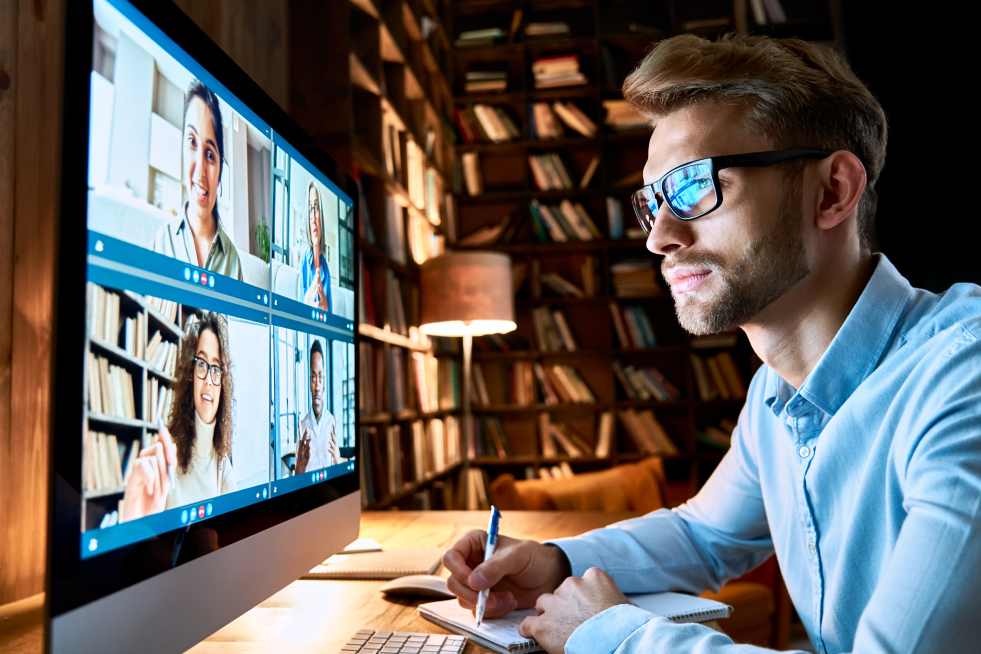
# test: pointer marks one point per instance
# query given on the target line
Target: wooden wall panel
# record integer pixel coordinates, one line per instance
(255, 33)
(8, 112)
(37, 86)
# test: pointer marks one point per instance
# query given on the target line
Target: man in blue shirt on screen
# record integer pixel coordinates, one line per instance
(857, 456)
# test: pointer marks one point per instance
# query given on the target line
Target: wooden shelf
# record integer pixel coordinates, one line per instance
(385, 336)
(413, 487)
(103, 492)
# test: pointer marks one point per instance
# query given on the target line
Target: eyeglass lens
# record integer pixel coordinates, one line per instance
(201, 369)
(689, 191)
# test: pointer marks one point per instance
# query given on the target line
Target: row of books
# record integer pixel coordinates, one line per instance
(562, 70)
(558, 439)
(645, 383)
(561, 471)
(635, 278)
(562, 286)
(158, 400)
(400, 454)
(371, 378)
(551, 174)
(483, 81)
(396, 307)
(519, 388)
(621, 115)
(103, 461)
(562, 384)
(486, 123)
(633, 327)
(474, 180)
(647, 433)
(161, 355)
(545, 121)
(166, 308)
(492, 440)
(424, 242)
(563, 222)
(718, 438)
(436, 381)
(718, 377)
(768, 12)
(552, 330)
(110, 389)
(500, 343)
(489, 35)
(103, 314)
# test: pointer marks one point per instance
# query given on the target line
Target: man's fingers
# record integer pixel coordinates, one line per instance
(462, 591)
(499, 604)
(543, 602)
(509, 561)
(529, 626)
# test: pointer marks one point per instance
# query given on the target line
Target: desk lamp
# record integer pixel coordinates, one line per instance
(466, 294)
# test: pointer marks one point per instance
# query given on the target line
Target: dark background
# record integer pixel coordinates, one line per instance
(921, 68)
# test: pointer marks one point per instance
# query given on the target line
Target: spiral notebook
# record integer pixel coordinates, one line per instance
(501, 634)
(389, 564)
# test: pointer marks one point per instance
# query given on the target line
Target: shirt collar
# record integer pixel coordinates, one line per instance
(856, 348)
(220, 236)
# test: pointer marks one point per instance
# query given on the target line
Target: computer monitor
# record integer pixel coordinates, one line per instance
(204, 451)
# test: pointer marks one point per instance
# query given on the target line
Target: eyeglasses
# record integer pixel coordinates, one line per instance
(201, 369)
(313, 207)
(693, 190)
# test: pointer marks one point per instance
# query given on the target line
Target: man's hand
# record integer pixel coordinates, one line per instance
(149, 483)
(574, 602)
(303, 451)
(518, 572)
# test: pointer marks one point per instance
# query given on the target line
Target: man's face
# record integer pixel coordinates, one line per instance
(728, 266)
(317, 383)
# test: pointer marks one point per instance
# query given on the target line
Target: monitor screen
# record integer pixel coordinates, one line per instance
(215, 350)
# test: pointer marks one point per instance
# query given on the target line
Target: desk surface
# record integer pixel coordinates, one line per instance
(319, 616)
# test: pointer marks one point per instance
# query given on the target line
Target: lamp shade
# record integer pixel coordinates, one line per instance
(465, 293)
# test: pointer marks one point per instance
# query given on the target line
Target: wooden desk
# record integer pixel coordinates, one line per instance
(319, 616)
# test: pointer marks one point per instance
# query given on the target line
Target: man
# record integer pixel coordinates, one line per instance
(318, 439)
(857, 456)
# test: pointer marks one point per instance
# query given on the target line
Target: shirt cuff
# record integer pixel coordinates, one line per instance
(606, 631)
(580, 553)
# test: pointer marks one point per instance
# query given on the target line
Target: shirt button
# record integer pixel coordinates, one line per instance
(804, 451)
(811, 547)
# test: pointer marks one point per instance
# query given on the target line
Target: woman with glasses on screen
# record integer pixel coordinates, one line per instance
(315, 278)
(191, 458)
(198, 238)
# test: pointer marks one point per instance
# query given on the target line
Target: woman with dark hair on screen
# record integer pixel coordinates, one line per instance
(198, 238)
(315, 277)
(191, 460)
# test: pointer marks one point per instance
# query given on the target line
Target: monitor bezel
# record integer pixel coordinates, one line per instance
(72, 581)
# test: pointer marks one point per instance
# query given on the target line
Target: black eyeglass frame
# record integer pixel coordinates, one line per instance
(210, 369)
(748, 160)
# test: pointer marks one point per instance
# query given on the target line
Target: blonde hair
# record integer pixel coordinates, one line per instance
(800, 95)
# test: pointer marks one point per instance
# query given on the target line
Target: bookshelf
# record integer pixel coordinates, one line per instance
(608, 39)
(385, 117)
(131, 345)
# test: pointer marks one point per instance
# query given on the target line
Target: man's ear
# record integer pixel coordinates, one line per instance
(841, 181)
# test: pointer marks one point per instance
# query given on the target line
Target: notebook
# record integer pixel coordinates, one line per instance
(389, 564)
(501, 634)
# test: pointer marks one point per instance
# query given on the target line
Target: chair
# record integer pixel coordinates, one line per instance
(761, 608)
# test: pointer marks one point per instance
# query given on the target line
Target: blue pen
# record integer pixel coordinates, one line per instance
(495, 518)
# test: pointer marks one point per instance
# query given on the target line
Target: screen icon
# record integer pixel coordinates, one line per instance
(211, 281)
(184, 517)
(209, 508)
(265, 493)
(195, 276)
(204, 279)
(201, 511)
(187, 274)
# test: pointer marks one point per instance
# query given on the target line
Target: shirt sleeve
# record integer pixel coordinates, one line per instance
(718, 535)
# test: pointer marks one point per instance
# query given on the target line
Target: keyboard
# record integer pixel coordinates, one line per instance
(369, 641)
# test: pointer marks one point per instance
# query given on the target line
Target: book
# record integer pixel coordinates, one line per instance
(604, 435)
(501, 634)
(587, 176)
(387, 564)
(471, 173)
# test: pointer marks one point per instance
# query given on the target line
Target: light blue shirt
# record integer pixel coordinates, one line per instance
(866, 483)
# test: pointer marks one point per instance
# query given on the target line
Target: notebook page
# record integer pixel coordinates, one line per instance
(675, 606)
(502, 631)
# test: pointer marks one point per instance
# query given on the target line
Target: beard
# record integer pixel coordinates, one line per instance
(769, 267)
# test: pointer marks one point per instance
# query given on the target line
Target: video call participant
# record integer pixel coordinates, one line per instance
(198, 437)
(198, 238)
(857, 455)
(316, 278)
(318, 438)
